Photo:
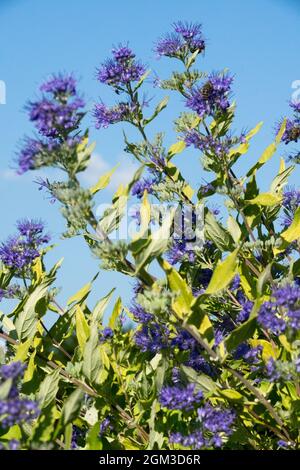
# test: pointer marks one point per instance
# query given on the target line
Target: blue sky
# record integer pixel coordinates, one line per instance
(258, 41)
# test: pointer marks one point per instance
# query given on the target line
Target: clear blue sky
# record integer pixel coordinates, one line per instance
(258, 41)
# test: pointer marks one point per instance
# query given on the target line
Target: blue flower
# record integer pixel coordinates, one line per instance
(212, 97)
(180, 398)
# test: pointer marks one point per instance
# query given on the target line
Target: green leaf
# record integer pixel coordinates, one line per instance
(48, 389)
(91, 357)
(223, 273)
(26, 322)
(104, 181)
(72, 407)
(240, 334)
(115, 313)
(5, 389)
(184, 298)
(231, 395)
(161, 105)
(155, 245)
(176, 148)
(22, 350)
(205, 383)
(234, 229)
(269, 152)
(265, 199)
(216, 233)
(145, 216)
(200, 319)
(82, 294)
(82, 328)
(92, 441)
(99, 310)
(293, 232)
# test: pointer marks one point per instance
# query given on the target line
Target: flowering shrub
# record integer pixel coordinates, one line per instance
(212, 359)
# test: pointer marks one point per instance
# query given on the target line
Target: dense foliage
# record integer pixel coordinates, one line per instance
(211, 356)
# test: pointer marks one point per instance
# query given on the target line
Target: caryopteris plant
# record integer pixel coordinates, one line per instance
(211, 356)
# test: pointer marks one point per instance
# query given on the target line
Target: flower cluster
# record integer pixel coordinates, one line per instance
(213, 146)
(19, 251)
(58, 112)
(121, 69)
(292, 128)
(215, 426)
(282, 311)
(152, 337)
(186, 38)
(290, 203)
(13, 408)
(180, 398)
(56, 116)
(105, 116)
(212, 97)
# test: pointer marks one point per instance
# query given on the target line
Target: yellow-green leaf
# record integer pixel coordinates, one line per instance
(145, 216)
(104, 180)
(82, 328)
(22, 350)
(293, 232)
(265, 199)
(115, 313)
(223, 273)
(176, 148)
(183, 301)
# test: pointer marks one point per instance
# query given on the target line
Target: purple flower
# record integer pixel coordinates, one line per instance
(105, 426)
(180, 251)
(106, 334)
(186, 38)
(60, 85)
(180, 398)
(106, 116)
(55, 119)
(31, 153)
(140, 314)
(152, 338)
(282, 311)
(57, 113)
(292, 130)
(144, 184)
(244, 314)
(13, 408)
(19, 251)
(212, 97)
(216, 420)
(121, 69)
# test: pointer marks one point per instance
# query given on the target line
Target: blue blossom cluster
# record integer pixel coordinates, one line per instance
(215, 426)
(290, 203)
(31, 151)
(210, 145)
(105, 116)
(56, 116)
(19, 251)
(105, 426)
(186, 38)
(180, 398)
(58, 111)
(282, 311)
(292, 129)
(212, 97)
(13, 408)
(121, 69)
(277, 370)
(152, 337)
(9, 292)
(142, 185)
(106, 334)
